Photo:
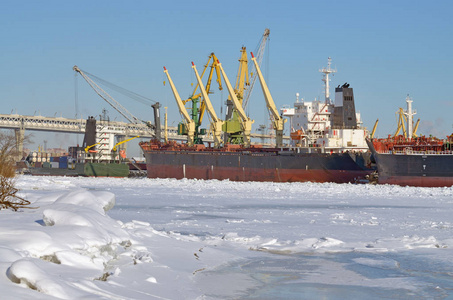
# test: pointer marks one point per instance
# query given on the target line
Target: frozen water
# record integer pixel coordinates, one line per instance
(192, 239)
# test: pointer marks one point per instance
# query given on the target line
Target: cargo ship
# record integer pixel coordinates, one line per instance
(414, 160)
(93, 159)
(236, 163)
(421, 161)
(327, 145)
(88, 169)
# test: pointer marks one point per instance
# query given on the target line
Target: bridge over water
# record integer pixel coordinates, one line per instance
(122, 130)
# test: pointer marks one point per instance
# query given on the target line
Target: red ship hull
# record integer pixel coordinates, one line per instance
(253, 164)
(255, 174)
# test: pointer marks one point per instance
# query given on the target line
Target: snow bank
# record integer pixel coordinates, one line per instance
(74, 241)
(70, 248)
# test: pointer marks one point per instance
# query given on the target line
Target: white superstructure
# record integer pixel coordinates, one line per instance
(326, 126)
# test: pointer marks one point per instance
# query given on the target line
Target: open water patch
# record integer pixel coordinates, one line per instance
(351, 275)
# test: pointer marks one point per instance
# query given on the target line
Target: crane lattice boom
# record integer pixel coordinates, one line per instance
(259, 56)
(109, 99)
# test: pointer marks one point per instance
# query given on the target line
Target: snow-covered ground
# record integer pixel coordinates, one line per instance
(109, 238)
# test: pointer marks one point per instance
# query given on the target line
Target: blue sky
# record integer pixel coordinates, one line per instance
(384, 49)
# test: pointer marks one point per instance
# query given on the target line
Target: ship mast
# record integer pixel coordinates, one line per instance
(327, 71)
(409, 113)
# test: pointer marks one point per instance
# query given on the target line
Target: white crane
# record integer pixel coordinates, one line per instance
(109, 99)
(259, 56)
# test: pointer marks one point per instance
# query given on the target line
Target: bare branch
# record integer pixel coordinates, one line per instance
(8, 192)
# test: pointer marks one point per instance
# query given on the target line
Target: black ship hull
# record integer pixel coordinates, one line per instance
(424, 170)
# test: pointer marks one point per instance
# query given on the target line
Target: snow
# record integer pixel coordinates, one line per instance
(112, 238)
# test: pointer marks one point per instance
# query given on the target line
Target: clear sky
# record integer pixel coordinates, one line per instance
(384, 49)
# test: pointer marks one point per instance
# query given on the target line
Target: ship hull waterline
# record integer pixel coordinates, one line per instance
(415, 170)
(85, 169)
(338, 168)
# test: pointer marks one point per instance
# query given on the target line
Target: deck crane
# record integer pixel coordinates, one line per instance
(189, 122)
(87, 148)
(246, 122)
(216, 123)
(277, 120)
(374, 129)
(414, 133)
(401, 120)
(122, 153)
(121, 109)
(122, 142)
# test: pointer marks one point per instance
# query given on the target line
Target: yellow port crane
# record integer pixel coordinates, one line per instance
(232, 125)
(216, 123)
(246, 122)
(277, 120)
(197, 111)
(245, 80)
(242, 80)
(195, 97)
(189, 122)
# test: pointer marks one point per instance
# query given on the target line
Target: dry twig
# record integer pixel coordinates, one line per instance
(8, 192)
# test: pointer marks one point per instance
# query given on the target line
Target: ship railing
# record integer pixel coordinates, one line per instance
(430, 152)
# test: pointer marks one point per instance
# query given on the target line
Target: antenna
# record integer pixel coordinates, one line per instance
(327, 71)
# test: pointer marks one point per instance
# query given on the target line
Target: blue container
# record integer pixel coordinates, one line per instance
(63, 165)
(64, 159)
